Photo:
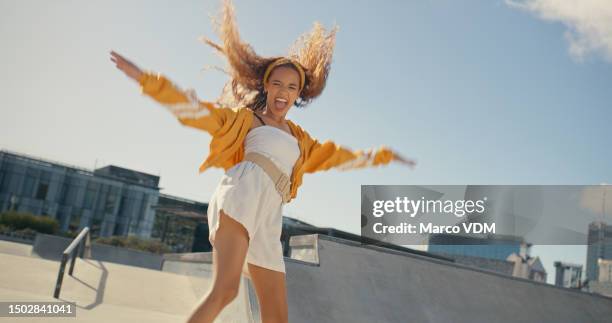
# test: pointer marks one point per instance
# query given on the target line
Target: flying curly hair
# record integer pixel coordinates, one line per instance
(312, 51)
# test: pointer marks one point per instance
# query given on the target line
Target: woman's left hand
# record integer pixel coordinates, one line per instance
(130, 69)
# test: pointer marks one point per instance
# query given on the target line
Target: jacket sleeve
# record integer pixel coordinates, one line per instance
(326, 155)
(184, 105)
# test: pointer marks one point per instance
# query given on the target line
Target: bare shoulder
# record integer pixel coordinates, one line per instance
(256, 121)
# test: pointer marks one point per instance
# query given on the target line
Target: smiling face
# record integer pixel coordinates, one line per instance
(283, 88)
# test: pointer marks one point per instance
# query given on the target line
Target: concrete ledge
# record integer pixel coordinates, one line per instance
(17, 238)
(51, 247)
(205, 257)
(305, 248)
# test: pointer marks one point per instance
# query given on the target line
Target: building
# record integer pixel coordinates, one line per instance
(508, 255)
(568, 275)
(492, 247)
(110, 200)
(603, 284)
(504, 267)
(599, 247)
(528, 267)
(516, 265)
(181, 224)
(605, 271)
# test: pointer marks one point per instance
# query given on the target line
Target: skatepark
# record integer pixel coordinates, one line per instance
(328, 279)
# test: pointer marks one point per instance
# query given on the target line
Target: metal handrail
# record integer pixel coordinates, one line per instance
(80, 244)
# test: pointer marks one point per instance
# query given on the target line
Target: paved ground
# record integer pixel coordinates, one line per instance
(107, 292)
(346, 283)
(14, 248)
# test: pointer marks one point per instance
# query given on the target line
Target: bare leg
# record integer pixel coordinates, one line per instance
(230, 248)
(271, 291)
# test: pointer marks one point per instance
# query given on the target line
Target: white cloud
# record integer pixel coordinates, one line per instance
(588, 22)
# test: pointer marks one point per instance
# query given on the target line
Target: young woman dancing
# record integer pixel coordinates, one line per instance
(263, 153)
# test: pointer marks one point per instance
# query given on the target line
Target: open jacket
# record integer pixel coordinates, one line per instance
(229, 126)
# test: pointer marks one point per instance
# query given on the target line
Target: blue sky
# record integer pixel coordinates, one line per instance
(479, 92)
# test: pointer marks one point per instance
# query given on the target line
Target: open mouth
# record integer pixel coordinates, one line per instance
(280, 103)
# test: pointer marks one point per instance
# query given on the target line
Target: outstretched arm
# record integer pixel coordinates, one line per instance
(326, 155)
(184, 105)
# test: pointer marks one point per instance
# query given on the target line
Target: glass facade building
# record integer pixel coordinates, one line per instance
(110, 200)
(492, 247)
(599, 247)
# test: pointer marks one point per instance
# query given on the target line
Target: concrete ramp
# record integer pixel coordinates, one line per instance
(328, 280)
(348, 282)
(109, 292)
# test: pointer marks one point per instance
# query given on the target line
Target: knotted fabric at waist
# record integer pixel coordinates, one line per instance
(281, 181)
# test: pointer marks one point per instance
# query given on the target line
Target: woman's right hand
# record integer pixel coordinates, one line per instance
(127, 67)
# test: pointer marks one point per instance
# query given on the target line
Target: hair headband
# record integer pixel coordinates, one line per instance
(282, 61)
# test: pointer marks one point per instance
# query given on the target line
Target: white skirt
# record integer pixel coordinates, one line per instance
(247, 194)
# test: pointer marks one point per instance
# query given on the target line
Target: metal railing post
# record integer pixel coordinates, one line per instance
(60, 277)
(73, 260)
(87, 252)
(81, 245)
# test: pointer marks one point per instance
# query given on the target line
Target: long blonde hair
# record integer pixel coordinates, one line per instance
(313, 51)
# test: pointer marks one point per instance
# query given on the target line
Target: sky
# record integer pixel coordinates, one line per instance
(478, 92)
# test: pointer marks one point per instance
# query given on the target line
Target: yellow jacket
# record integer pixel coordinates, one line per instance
(229, 126)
